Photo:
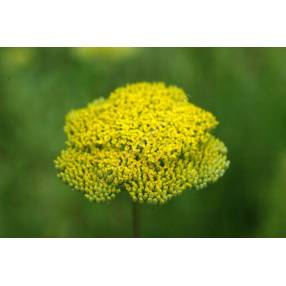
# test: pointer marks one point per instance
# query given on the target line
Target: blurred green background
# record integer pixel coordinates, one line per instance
(244, 88)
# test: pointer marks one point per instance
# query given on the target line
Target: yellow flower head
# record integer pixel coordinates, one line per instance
(146, 139)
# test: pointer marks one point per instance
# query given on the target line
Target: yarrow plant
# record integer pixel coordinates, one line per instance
(146, 139)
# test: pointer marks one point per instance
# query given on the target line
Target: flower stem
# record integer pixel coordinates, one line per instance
(135, 219)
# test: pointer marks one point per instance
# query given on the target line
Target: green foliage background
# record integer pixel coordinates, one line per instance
(244, 88)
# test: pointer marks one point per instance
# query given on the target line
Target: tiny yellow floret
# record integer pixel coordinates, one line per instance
(146, 139)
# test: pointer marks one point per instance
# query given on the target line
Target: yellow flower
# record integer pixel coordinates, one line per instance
(146, 139)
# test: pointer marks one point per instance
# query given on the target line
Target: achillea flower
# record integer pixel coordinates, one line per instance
(146, 139)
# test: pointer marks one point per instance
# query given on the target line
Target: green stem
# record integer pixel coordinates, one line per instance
(135, 219)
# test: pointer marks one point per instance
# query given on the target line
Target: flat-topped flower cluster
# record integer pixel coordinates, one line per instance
(146, 139)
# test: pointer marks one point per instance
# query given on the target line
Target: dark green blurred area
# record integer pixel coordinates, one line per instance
(244, 88)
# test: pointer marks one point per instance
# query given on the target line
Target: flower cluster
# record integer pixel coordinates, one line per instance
(146, 139)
